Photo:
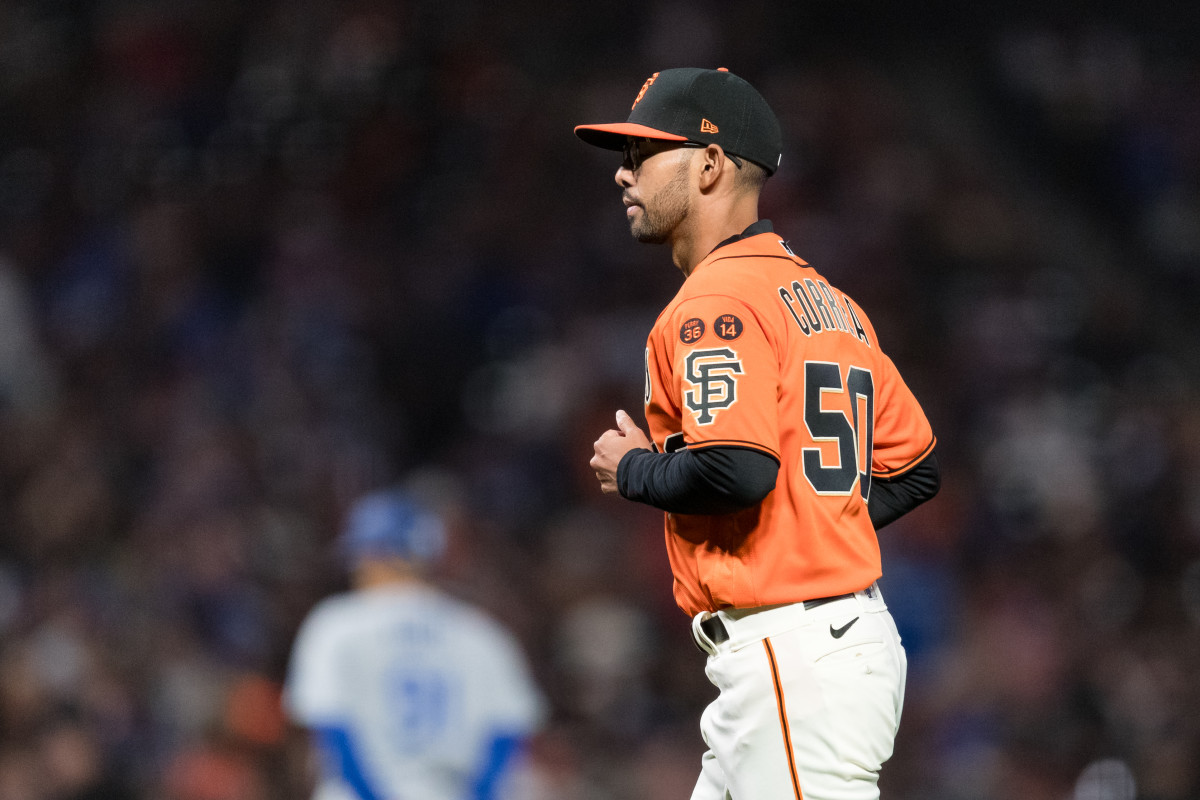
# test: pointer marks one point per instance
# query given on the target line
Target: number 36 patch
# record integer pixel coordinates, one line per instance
(710, 382)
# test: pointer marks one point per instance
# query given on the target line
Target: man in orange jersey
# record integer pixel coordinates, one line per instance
(780, 439)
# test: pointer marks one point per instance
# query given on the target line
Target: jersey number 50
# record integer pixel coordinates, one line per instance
(854, 439)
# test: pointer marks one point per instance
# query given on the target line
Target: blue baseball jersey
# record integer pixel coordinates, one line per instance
(413, 695)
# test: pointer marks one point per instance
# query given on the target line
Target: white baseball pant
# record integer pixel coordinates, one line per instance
(809, 701)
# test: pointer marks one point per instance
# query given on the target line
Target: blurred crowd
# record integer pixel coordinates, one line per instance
(256, 259)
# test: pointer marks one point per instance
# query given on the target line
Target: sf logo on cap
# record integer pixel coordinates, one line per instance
(642, 93)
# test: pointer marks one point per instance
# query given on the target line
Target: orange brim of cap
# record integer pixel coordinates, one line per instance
(612, 136)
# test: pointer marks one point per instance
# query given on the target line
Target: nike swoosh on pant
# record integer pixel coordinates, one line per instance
(838, 633)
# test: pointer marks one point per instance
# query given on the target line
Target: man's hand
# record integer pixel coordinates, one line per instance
(612, 446)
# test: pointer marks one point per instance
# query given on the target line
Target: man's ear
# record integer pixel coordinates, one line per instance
(713, 163)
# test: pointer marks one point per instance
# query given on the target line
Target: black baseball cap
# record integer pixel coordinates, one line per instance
(708, 106)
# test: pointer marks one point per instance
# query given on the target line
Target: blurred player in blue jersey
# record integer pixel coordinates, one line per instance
(409, 693)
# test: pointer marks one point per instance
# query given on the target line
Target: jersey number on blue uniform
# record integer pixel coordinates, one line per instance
(420, 707)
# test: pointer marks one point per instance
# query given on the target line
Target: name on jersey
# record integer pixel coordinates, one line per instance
(816, 309)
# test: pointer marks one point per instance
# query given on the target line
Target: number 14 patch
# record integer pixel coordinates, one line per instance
(727, 327)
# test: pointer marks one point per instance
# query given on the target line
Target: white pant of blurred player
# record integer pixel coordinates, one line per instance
(809, 701)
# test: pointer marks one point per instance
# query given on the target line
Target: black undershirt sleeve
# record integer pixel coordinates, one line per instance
(892, 498)
(712, 480)
(723, 480)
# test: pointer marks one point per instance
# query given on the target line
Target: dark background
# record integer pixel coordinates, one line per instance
(257, 258)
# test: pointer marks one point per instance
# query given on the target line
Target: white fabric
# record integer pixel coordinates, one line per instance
(422, 682)
(842, 697)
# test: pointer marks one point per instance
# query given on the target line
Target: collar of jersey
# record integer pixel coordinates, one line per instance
(755, 228)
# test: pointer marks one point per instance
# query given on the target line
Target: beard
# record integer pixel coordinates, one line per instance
(664, 212)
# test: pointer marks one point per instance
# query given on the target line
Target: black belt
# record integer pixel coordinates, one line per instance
(714, 628)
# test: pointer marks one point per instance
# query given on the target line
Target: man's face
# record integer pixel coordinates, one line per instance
(654, 177)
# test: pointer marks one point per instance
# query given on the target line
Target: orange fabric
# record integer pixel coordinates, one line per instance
(757, 350)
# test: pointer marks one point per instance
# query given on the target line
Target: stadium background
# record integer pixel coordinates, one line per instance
(257, 258)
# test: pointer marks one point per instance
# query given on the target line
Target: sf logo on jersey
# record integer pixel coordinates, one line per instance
(711, 377)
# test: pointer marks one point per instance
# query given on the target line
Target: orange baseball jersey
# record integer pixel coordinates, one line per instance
(758, 350)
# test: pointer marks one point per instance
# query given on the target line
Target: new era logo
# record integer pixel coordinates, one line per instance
(707, 127)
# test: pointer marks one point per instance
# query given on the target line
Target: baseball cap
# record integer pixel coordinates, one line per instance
(391, 524)
(708, 106)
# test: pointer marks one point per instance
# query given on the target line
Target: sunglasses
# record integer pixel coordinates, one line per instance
(633, 157)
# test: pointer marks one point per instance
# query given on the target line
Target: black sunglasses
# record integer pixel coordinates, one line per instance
(633, 158)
